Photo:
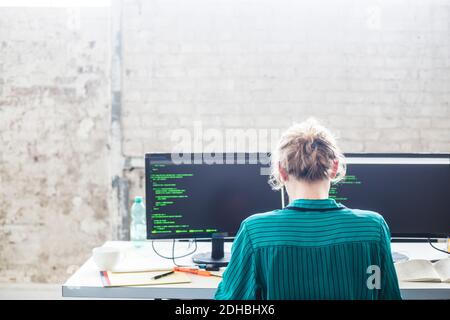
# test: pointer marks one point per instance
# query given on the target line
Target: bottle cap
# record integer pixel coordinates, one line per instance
(138, 199)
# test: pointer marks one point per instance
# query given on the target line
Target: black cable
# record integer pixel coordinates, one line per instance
(173, 253)
(431, 244)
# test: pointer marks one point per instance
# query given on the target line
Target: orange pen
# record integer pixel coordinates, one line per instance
(194, 271)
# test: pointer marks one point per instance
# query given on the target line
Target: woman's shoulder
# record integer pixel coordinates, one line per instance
(350, 214)
(366, 215)
(262, 216)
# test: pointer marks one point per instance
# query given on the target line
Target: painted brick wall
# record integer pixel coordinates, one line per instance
(54, 118)
(377, 72)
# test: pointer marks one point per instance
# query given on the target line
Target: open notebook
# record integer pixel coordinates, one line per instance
(121, 279)
(424, 270)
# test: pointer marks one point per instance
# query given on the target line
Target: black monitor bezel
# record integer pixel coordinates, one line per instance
(232, 234)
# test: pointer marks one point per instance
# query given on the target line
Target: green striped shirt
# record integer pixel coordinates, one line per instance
(290, 254)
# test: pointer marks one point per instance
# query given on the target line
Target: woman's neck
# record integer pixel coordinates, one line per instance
(308, 190)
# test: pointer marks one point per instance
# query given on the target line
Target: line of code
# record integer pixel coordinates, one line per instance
(348, 180)
(169, 189)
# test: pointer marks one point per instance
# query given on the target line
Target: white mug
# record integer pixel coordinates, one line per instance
(106, 258)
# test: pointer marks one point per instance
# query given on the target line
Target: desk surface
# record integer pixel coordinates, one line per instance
(86, 282)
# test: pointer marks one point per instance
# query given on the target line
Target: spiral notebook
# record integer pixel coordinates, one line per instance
(123, 279)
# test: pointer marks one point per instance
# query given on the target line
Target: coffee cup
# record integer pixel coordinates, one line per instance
(106, 258)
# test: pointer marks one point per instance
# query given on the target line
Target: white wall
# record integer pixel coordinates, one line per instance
(378, 72)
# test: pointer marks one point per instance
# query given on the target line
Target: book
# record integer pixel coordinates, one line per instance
(146, 278)
(424, 270)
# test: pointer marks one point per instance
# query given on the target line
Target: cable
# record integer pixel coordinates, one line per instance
(173, 253)
(431, 244)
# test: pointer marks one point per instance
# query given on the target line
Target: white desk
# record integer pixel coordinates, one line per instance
(86, 281)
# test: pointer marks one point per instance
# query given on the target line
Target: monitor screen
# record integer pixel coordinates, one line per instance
(192, 200)
(196, 200)
(410, 193)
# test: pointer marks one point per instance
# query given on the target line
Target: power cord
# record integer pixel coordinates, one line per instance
(431, 244)
(173, 253)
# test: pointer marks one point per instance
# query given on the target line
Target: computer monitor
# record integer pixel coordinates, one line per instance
(196, 199)
(411, 191)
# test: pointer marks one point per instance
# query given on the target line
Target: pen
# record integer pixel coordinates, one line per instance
(196, 271)
(162, 275)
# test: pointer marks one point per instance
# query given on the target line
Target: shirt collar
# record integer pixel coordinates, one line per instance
(315, 204)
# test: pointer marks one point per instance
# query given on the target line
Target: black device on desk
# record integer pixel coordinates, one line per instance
(208, 200)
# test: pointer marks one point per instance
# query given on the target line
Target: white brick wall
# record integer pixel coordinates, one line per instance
(377, 72)
(54, 121)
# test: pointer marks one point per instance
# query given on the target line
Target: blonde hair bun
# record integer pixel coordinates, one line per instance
(307, 151)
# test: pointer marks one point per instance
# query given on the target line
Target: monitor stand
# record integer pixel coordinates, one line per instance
(217, 257)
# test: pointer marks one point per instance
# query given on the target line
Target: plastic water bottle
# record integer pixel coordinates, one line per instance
(138, 228)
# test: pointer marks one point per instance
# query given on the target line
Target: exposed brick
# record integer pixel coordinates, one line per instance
(435, 135)
(53, 104)
(229, 64)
